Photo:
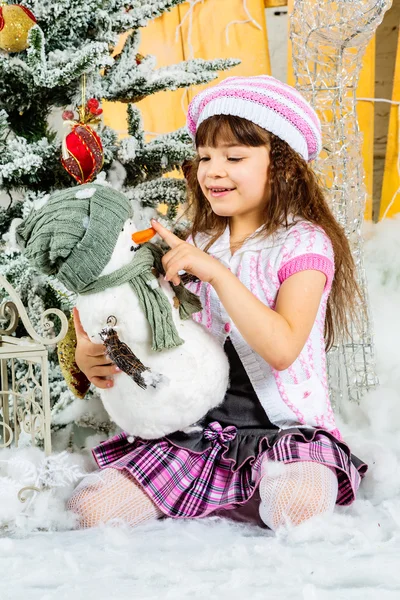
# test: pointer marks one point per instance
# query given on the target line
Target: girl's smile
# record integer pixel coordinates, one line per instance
(217, 192)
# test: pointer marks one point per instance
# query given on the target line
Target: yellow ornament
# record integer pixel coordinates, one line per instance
(15, 23)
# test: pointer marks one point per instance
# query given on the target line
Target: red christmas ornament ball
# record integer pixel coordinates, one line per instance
(95, 111)
(68, 115)
(85, 153)
(92, 103)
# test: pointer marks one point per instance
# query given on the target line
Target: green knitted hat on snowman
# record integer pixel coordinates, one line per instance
(67, 238)
(73, 235)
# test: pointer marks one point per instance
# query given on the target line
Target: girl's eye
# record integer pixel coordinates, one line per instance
(232, 159)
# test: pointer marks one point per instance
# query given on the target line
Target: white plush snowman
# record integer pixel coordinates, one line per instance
(182, 383)
(171, 389)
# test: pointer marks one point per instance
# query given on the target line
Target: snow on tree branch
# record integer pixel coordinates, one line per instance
(62, 72)
(131, 85)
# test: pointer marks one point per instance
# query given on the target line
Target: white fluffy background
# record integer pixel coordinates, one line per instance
(353, 554)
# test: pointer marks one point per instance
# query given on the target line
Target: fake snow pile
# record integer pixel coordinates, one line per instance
(34, 488)
(353, 554)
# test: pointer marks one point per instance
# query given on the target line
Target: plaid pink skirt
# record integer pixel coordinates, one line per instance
(185, 483)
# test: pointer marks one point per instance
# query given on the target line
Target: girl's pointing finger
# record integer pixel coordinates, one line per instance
(172, 240)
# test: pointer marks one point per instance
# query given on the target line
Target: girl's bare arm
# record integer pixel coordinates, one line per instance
(279, 335)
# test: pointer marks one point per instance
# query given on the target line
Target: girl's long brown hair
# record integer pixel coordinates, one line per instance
(292, 191)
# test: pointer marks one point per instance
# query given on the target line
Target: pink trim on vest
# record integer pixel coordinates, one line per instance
(305, 262)
(292, 373)
(297, 242)
(329, 410)
(198, 317)
(312, 241)
(253, 276)
(208, 307)
(272, 277)
(268, 296)
(285, 397)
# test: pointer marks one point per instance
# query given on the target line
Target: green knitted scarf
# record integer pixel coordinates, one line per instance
(138, 273)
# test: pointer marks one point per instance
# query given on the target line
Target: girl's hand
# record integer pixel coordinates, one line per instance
(185, 257)
(91, 358)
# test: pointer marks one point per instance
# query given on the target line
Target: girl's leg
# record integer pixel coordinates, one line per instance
(111, 495)
(294, 492)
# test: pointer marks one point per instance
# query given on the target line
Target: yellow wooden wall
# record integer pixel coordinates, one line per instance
(391, 179)
(165, 111)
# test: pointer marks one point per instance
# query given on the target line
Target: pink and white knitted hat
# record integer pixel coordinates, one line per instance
(267, 102)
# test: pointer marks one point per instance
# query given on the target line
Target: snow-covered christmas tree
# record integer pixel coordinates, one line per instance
(59, 58)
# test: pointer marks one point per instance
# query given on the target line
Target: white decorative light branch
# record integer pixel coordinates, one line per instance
(329, 39)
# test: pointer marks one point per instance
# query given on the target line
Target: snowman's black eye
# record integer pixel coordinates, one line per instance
(122, 229)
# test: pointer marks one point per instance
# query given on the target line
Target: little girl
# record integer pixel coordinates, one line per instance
(276, 279)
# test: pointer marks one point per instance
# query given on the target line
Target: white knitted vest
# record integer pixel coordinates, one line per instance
(298, 396)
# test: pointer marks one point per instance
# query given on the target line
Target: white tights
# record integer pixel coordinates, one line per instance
(290, 493)
(113, 497)
(294, 492)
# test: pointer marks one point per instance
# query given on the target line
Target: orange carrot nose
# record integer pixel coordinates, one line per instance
(141, 237)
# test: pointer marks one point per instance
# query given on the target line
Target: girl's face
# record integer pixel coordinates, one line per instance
(233, 179)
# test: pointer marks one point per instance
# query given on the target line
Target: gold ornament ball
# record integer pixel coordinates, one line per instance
(15, 23)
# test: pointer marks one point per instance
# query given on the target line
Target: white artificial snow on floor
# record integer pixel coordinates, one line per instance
(353, 554)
